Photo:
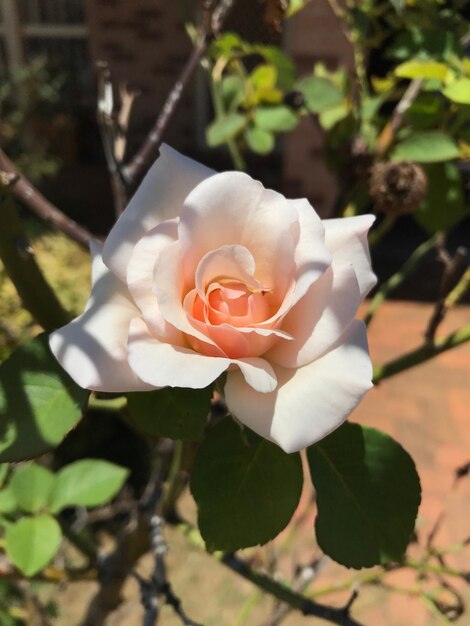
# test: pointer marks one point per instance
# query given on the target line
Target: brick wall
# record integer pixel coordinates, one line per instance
(145, 44)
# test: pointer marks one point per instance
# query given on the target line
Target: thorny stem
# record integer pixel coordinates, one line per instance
(27, 193)
(397, 279)
(421, 354)
(273, 587)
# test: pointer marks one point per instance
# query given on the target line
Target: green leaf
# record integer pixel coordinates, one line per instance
(225, 128)
(233, 91)
(285, 68)
(458, 91)
(246, 488)
(31, 486)
(32, 542)
(421, 69)
(444, 204)
(8, 503)
(320, 94)
(275, 118)
(368, 494)
(426, 147)
(176, 412)
(330, 118)
(260, 141)
(89, 482)
(264, 76)
(4, 467)
(426, 111)
(39, 402)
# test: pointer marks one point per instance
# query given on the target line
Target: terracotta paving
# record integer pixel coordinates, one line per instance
(427, 409)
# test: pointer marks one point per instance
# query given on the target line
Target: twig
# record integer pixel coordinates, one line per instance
(386, 137)
(212, 23)
(397, 279)
(455, 281)
(421, 354)
(36, 202)
(107, 122)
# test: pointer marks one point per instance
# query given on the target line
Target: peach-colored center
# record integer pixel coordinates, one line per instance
(231, 302)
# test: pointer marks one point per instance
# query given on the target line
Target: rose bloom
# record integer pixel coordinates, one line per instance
(206, 273)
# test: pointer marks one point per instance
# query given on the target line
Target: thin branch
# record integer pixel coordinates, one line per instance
(455, 281)
(421, 354)
(107, 123)
(25, 191)
(387, 136)
(397, 279)
(212, 23)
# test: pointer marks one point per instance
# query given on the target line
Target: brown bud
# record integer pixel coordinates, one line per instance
(397, 188)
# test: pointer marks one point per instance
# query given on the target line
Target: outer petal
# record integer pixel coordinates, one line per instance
(159, 197)
(319, 319)
(162, 364)
(140, 277)
(346, 238)
(93, 347)
(309, 402)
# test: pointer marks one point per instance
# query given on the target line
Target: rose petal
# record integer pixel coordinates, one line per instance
(346, 238)
(140, 278)
(93, 347)
(309, 402)
(232, 208)
(160, 197)
(258, 374)
(162, 364)
(319, 319)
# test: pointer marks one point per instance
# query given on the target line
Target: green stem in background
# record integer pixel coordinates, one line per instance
(384, 227)
(277, 589)
(18, 258)
(81, 543)
(172, 485)
(397, 279)
(234, 150)
(421, 354)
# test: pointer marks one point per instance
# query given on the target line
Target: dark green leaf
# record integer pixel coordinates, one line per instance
(277, 118)
(368, 494)
(426, 111)
(260, 141)
(246, 488)
(176, 412)
(444, 204)
(39, 402)
(32, 542)
(225, 128)
(319, 93)
(426, 147)
(89, 482)
(31, 486)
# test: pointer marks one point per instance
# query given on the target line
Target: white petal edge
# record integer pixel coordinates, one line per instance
(93, 347)
(160, 197)
(162, 364)
(309, 402)
(346, 239)
(319, 319)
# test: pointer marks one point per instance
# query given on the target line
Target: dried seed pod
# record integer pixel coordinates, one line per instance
(397, 188)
